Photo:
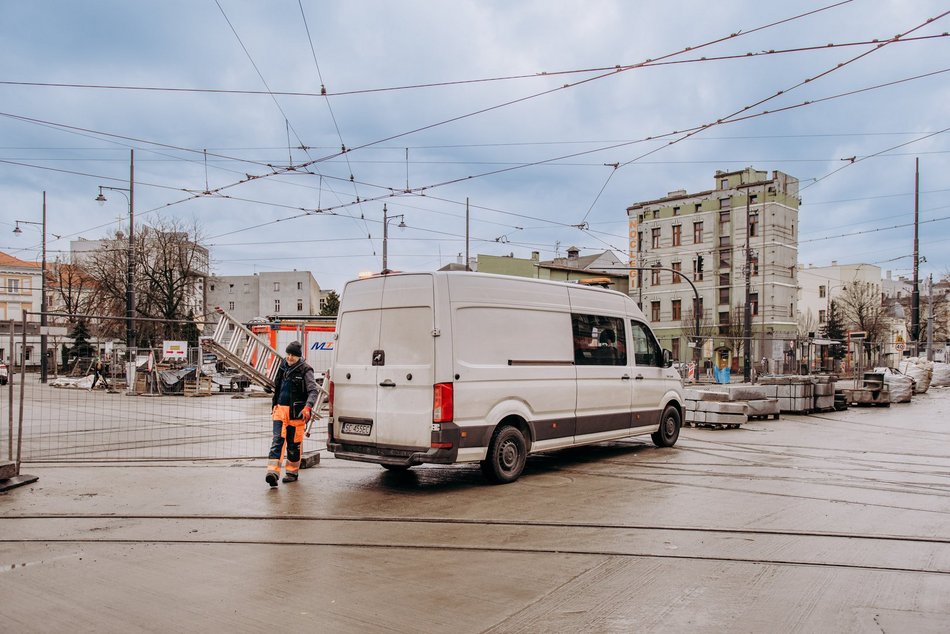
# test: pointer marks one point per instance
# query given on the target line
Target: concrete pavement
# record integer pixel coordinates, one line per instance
(836, 522)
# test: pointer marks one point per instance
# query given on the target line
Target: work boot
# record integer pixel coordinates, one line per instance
(271, 478)
(290, 477)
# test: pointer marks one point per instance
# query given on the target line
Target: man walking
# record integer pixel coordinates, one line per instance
(295, 392)
(98, 373)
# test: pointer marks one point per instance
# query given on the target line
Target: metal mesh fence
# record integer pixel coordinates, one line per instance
(166, 412)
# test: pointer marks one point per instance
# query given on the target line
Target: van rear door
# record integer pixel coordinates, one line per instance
(384, 366)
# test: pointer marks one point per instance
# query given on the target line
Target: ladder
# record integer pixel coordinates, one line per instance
(243, 349)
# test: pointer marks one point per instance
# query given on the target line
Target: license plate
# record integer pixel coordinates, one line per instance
(360, 429)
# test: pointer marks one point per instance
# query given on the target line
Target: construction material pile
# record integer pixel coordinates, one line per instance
(941, 376)
(920, 370)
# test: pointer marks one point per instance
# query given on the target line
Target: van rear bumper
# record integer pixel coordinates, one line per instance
(400, 457)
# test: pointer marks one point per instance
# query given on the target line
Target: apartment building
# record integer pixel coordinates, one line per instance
(820, 285)
(247, 297)
(748, 221)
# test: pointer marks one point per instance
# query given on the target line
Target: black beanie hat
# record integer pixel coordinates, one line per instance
(294, 348)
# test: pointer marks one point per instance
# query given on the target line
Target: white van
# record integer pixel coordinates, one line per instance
(450, 367)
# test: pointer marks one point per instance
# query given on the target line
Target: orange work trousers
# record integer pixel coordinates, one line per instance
(286, 432)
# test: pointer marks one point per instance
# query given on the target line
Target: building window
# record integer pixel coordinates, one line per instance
(676, 211)
(656, 214)
(654, 311)
(299, 305)
(13, 285)
(675, 345)
(723, 296)
(698, 232)
(247, 287)
(230, 288)
(724, 218)
(276, 287)
(725, 259)
(655, 276)
(230, 305)
(655, 235)
(822, 316)
(678, 267)
(677, 234)
(822, 292)
(639, 241)
(677, 309)
(753, 198)
(754, 260)
(725, 203)
(724, 183)
(753, 225)
(299, 286)
(698, 207)
(276, 305)
(725, 241)
(754, 301)
(211, 286)
(724, 318)
(698, 303)
(723, 279)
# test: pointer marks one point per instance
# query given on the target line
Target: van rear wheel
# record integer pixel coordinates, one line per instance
(669, 428)
(506, 457)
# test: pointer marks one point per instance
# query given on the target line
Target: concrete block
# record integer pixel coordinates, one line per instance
(824, 389)
(696, 417)
(725, 408)
(7, 469)
(795, 405)
(745, 392)
(709, 395)
(712, 418)
(763, 407)
(309, 459)
(824, 402)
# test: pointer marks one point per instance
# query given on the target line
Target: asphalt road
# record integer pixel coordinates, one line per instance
(836, 522)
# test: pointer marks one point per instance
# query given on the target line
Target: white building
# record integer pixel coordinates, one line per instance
(248, 297)
(21, 289)
(819, 285)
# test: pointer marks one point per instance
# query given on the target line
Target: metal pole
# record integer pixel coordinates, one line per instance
(915, 296)
(930, 320)
(19, 433)
(10, 390)
(466, 234)
(385, 239)
(747, 314)
(44, 368)
(130, 273)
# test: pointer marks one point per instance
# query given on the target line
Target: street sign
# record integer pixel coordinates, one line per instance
(54, 331)
(900, 346)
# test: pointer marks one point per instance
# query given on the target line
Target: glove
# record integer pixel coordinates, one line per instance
(305, 414)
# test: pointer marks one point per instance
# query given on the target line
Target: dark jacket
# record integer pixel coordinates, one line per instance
(296, 385)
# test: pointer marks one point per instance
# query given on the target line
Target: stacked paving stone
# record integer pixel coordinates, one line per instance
(728, 406)
(799, 394)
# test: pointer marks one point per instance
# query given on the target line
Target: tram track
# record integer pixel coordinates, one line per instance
(780, 547)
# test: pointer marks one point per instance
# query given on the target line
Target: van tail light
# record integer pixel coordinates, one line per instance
(443, 403)
(329, 395)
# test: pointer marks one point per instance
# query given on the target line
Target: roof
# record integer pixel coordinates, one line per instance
(8, 260)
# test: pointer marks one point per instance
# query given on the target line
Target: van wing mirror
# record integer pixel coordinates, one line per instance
(667, 358)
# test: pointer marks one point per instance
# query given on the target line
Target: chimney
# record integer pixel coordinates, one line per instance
(572, 253)
(535, 255)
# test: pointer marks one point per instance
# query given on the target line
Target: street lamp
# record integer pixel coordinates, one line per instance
(401, 225)
(44, 368)
(130, 270)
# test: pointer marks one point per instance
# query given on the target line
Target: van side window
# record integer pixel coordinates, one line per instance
(646, 350)
(599, 340)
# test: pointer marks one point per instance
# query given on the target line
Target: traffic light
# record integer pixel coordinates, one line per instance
(699, 264)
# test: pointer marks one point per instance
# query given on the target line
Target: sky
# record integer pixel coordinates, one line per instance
(548, 118)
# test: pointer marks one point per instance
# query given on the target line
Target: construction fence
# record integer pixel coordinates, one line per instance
(147, 404)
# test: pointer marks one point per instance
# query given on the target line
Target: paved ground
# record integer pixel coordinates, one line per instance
(835, 522)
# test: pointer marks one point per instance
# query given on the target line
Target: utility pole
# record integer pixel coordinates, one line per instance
(747, 315)
(930, 320)
(44, 362)
(466, 235)
(915, 296)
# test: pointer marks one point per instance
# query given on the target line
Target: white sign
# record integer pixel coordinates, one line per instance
(53, 331)
(899, 346)
(174, 350)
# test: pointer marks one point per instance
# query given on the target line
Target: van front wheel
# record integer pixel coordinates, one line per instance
(669, 428)
(506, 457)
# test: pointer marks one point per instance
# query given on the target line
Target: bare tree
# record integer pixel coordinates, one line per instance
(707, 329)
(169, 261)
(70, 288)
(862, 309)
(734, 330)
